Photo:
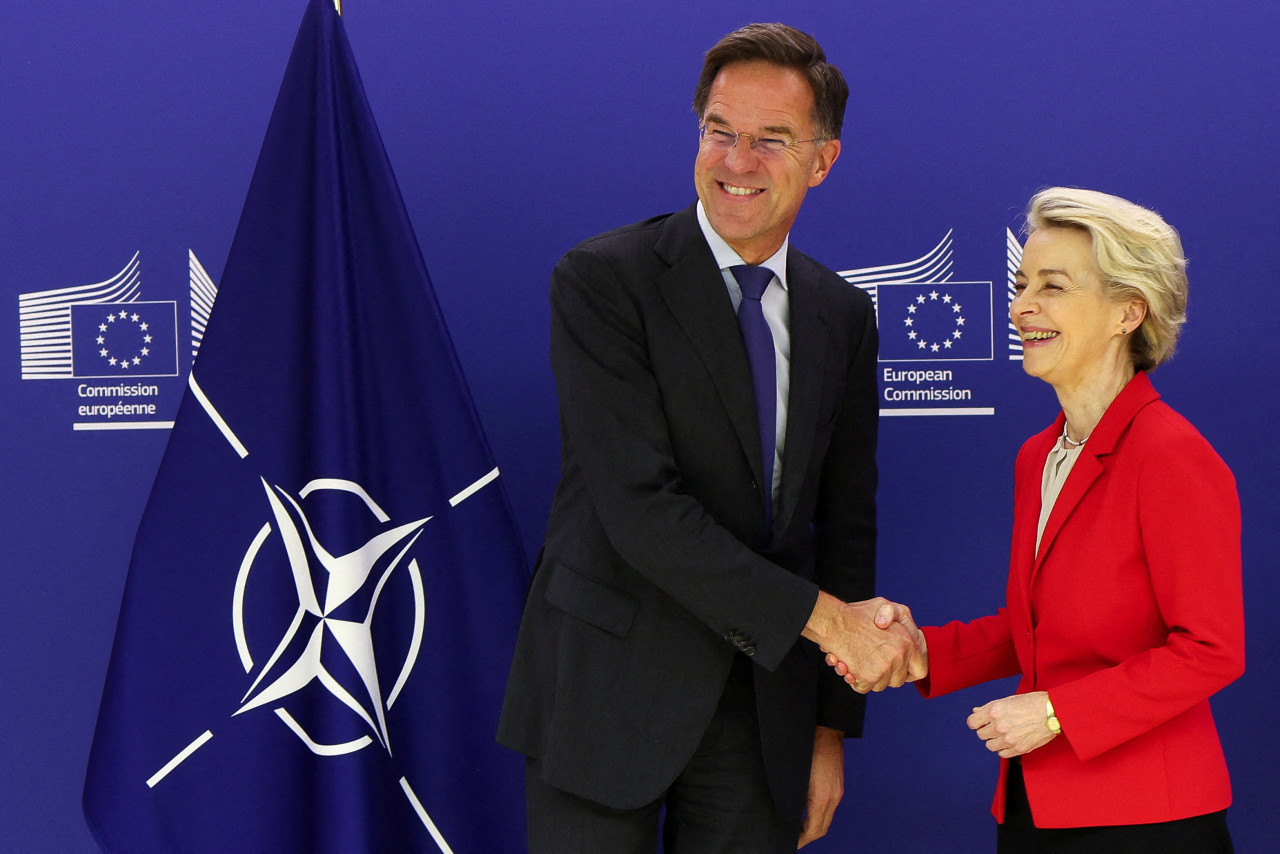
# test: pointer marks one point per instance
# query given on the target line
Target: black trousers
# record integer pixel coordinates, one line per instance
(720, 803)
(1202, 834)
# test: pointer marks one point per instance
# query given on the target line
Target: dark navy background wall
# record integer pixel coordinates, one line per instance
(517, 129)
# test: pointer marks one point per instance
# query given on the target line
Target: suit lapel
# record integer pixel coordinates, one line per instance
(1027, 499)
(1086, 470)
(808, 352)
(695, 292)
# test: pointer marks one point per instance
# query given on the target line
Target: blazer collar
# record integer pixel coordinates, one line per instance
(695, 292)
(809, 350)
(1103, 441)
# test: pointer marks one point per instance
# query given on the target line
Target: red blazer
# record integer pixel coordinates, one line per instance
(1130, 616)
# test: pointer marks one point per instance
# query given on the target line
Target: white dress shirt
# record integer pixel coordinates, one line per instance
(777, 313)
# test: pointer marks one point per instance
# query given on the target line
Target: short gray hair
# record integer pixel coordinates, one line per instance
(1139, 255)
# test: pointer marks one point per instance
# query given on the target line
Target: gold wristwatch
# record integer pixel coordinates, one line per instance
(1051, 719)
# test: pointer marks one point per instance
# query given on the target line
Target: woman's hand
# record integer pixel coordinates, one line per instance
(1014, 725)
(885, 617)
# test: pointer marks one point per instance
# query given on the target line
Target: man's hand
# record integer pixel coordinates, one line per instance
(874, 658)
(826, 784)
(1013, 726)
(892, 613)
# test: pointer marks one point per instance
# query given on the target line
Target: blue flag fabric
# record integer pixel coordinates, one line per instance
(934, 322)
(327, 580)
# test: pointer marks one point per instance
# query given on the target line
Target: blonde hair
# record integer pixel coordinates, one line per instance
(1139, 255)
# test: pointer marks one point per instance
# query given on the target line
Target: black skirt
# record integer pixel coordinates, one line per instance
(1202, 834)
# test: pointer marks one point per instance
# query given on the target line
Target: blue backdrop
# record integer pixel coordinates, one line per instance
(517, 129)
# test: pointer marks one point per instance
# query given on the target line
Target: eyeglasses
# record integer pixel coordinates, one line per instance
(722, 138)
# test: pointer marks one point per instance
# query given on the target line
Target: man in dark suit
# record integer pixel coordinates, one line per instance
(718, 423)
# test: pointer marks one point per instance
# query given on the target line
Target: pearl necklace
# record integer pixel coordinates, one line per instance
(1072, 443)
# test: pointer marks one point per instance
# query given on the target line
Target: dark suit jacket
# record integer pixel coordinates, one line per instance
(1130, 615)
(656, 570)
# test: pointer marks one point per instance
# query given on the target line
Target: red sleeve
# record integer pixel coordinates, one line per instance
(965, 654)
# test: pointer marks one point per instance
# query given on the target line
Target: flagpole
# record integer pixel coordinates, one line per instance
(337, 4)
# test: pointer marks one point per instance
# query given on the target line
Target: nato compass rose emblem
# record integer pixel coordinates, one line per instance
(946, 322)
(324, 665)
(328, 644)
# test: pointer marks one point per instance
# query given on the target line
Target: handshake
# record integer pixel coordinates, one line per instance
(873, 644)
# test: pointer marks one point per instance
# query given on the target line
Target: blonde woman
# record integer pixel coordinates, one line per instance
(1123, 610)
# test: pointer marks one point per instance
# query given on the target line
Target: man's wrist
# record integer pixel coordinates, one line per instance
(822, 618)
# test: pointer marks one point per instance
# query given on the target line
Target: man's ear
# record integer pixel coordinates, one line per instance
(828, 153)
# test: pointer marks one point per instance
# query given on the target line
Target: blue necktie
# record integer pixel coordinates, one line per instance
(764, 379)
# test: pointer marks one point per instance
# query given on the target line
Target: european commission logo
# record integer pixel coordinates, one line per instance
(138, 339)
(107, 334)
(934, 333)
(936, 322)
(924, 316)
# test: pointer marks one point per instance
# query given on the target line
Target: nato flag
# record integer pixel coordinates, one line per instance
(326, 582)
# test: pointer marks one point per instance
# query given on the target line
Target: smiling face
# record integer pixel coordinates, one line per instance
(751, 200)
(1073, 334)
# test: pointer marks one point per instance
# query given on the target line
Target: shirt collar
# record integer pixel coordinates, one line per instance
(727, 257)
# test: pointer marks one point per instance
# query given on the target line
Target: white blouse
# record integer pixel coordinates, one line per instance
(1057, 466)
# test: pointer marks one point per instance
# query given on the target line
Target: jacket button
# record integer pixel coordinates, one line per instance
(749, 649)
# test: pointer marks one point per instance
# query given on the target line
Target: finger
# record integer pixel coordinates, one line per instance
(806, 831)
(901, 662)
(917, 665)
(817, 821)
(809, 832)
(903, 615)
(882, 680)
(901, 674)
(886, 615)
(879, 684)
